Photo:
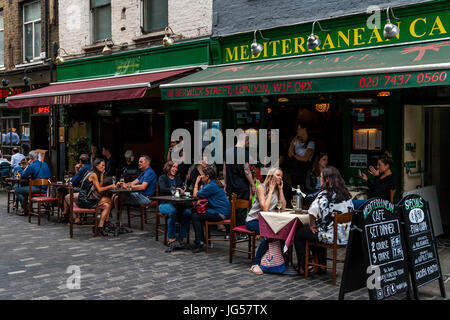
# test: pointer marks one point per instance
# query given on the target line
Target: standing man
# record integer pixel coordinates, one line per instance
(238, 177)
(144, 186)
(35, 170)
(111, 162)
(16, 157)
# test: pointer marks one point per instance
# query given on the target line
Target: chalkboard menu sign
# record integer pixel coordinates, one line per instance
(424, 262)
(377, 235)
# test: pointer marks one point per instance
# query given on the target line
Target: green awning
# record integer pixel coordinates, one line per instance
(394, 67)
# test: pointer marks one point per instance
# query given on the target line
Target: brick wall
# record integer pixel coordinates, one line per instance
(192, 18)
(234, 16)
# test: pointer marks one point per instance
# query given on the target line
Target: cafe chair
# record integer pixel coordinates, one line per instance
(83, 213)
(45, 202)
(235, 230)
(143, 210)
(12, 199)
(338, 219)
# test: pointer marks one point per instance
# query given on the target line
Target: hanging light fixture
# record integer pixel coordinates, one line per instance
(168, 40)
(59, 59)
(109, 43)
(256, 47)
(390, 29)
(313, 42)
(5, 82)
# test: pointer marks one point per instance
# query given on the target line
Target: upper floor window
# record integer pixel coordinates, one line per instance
(32, 30)
(101, 19)
(154, 14)
(2, 40)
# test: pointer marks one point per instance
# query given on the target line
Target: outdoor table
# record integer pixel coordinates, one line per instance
(14, 180)
(174, 200)
(119, 227)
(281, 225)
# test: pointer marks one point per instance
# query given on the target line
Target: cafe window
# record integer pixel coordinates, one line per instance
(367, 128)
(101, 19)
(154, 15)
(2, 40)
(32, 30)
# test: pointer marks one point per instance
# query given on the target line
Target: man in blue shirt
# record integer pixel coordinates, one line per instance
(35, 170)
(80, 169)
(144, 186)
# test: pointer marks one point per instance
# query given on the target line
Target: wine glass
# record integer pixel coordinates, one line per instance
(279, 206)
(17, 175)
(173, 189)
(66, 178)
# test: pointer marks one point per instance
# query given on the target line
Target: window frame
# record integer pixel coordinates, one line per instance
(32, 22)
(93, 30)
(143, 30)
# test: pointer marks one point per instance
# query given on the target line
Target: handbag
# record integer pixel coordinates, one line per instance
(273, 261)
(201, 205)
(93, 194)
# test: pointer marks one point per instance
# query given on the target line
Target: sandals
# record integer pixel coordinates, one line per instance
(256, 269)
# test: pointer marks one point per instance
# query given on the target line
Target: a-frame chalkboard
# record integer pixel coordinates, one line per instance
(376, 240)
(423, 259)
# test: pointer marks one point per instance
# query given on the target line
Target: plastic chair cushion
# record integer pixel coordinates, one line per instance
(242, 229)
(43, 199)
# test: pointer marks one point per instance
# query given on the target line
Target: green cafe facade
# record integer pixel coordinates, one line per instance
(358, 93)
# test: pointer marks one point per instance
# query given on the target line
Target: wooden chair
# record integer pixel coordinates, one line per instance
(234, 230)
(391, 195)
(209, 237)
(11, 199)
(338, 218)
(83, 213)
(143, 210)
(42, 199)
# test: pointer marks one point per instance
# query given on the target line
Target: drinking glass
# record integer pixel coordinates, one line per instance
(66, 178)
(294, 204)
(173, 190)
(279, 206)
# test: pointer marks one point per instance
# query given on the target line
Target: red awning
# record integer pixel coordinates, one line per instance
(85, 91)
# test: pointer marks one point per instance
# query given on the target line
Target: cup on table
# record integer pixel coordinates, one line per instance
(187, 194)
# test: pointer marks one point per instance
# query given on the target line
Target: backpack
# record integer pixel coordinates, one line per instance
(273, 261)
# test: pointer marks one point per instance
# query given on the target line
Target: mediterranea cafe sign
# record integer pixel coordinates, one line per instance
(420, 27)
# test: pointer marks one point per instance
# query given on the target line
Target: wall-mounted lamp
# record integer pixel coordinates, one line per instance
(168, 40)
(390, 29)
(109, 43)
(257, 47)
(5, 82)
(313, 42)
(59, 59)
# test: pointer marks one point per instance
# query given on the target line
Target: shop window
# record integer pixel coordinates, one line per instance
(101, 19)
(32, 30)
(2, 40)
(154, 15)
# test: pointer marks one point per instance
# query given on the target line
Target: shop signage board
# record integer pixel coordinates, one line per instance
(413, 27)
(373, 69)
(424, 264)
(376, 240)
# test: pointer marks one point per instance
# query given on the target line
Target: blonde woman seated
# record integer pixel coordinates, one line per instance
(268, 194)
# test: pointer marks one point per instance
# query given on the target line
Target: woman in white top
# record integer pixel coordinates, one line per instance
(302, 150)
(268, 194)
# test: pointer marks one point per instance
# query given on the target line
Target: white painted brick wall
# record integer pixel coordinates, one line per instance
(191, 18)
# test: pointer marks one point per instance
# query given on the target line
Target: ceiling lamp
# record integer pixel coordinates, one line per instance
(313, 42)
(390, 29)
(168, 40)
(5, 82)
(256, 47)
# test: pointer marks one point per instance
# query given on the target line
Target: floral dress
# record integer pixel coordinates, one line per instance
(322, 208)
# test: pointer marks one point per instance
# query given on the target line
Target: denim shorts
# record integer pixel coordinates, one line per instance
(135, 198)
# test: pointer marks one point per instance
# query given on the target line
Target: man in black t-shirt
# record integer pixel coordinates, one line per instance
(237, 175)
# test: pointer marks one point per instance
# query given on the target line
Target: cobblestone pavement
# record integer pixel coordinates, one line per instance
(34, 261)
